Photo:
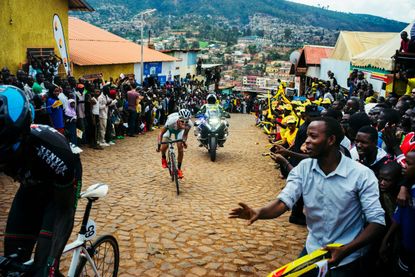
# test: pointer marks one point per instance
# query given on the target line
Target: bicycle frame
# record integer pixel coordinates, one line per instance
(78, 248)
(172, 162)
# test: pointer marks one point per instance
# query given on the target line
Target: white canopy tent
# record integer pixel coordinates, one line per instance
(380, 56)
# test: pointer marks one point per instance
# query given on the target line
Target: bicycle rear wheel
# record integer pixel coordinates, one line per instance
(106, 256)
(175, 176)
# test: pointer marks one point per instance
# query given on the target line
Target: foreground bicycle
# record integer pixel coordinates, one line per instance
(172, 162)
(97, 259)
(311, 265)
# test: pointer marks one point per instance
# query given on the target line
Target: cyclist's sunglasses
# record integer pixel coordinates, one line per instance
(184, 121)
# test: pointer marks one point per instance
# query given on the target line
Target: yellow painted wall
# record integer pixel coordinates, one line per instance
(110, 70)
(28, 24)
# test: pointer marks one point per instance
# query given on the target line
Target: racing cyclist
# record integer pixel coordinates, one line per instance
(178, 124)
(49, 173)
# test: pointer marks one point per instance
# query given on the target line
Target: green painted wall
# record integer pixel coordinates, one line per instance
(28, 24)
(110, 70)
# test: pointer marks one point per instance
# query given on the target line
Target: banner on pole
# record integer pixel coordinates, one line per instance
(60, 41)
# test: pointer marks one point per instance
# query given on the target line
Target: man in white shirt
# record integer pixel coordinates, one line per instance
(104, 102)
(341, 199)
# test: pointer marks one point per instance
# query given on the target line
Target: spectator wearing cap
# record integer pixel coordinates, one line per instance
(289, 136)
(326, 103)
(288, 109)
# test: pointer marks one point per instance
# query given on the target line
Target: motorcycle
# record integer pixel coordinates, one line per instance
(212, 130)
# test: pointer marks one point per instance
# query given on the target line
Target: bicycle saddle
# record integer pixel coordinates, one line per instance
(95, 191)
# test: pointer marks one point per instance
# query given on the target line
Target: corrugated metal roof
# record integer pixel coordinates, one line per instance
(313, 53)
(80, 5)
(90, 45)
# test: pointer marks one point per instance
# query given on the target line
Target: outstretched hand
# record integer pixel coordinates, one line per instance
(279, 149)
(244, 212)
(278, 158)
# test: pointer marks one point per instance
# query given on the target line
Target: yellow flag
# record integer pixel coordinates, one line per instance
(56, 104)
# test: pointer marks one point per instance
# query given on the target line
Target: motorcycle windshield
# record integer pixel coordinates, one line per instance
(213, 113)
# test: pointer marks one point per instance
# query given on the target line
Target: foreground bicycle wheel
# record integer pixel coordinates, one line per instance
(106, 256)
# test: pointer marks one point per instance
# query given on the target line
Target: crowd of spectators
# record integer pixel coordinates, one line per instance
(98, 112)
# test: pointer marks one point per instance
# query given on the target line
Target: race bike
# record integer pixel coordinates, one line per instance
(211, 129)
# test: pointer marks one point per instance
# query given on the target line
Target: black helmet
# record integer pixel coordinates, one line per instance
(16, 114)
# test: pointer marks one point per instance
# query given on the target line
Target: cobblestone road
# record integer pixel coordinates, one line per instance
(161, 234)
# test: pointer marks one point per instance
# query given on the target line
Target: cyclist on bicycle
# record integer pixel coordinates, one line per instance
(49, 173)
(178, 124)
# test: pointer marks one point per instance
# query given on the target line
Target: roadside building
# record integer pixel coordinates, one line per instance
(186, 60)
(95, 51)
(308, 65)
(27, 29)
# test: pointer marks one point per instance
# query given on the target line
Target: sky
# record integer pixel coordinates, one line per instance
(401, 10)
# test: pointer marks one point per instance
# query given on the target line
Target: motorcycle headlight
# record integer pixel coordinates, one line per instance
(214, 121)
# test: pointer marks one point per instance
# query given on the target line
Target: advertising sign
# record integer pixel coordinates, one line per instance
(153, 68)
(60, 41)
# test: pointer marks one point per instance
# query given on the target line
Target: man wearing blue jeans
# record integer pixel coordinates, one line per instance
(341, 200)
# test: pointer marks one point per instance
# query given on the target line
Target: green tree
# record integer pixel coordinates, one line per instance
(287, 33)
(252, 49)
(195, 45)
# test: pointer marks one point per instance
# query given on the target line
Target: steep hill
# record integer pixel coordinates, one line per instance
(240, 10)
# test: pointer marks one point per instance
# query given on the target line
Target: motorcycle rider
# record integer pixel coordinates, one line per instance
(178, 124)
(49, 173)
(213, 106)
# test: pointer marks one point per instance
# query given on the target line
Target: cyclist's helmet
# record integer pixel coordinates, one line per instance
(211, 99)
(16, 114)
(185, 114)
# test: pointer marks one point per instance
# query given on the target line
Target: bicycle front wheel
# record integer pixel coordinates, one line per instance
(106, 256)
(175, 176)
(170, 164)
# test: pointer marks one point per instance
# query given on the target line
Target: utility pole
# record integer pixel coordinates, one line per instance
(141, 15)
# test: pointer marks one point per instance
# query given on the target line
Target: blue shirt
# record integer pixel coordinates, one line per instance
(405, 217)
(56, 114)
(336, 205)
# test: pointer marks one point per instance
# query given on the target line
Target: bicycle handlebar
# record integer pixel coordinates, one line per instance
(171, 141)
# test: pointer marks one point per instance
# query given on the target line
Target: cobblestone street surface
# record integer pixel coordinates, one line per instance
(162, 234)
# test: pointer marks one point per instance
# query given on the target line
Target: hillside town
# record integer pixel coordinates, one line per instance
(133, 144)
